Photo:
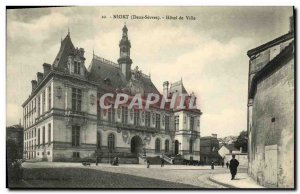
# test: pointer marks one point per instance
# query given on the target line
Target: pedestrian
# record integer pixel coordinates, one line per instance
(212, 165)
(162, 162)
(234, 163)
(148, 163)
(222, 163)
(227, 164)
(96, 160)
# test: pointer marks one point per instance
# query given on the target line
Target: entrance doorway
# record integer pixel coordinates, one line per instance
(176, 147)
(136, 145)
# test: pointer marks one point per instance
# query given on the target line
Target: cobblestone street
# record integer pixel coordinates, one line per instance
(75, 175)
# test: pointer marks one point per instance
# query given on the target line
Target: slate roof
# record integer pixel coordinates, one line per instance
(105, 73)
(177, 87)
(109, 75)
(66, 49)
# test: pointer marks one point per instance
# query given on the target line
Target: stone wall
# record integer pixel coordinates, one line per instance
(273, 126)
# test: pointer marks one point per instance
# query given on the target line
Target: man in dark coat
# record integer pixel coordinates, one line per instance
(234, 163)
(227, 164)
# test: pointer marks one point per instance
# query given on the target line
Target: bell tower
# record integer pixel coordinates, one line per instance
(124, 60)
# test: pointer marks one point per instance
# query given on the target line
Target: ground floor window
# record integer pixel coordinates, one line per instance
(111, 142)
(75, 135)
(76, 155)
(98, 140)
(167, 146)
(157, 145)
(191, 147)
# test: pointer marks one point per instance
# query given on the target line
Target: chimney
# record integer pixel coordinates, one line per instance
(47, 68)
(81, 52)
(166, 88)
(214, 135)
(291, 24)
(33, 84)
(39, 76)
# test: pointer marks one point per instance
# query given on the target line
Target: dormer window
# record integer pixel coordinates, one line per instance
(77, 67)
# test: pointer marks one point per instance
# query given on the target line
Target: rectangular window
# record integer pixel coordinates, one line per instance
(34, 105)
(76, 99)
(39, 105)
(191, 147)
(39, 136)
(44, 136)
(111, 114)
(192, 123)
(49, 97)
(176, 123)
(124, 115)
(98, 140)
(147, 121)
(157, 124)
(75, 135)
(167, 123)
(136, 117)
(76, 155)
(77, 67)
(49, 133)
(44, 102)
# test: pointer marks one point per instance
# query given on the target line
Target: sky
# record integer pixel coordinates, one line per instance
(208, 53)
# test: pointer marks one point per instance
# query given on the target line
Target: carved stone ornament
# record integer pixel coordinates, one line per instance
(125, 136)
(92, 99)
(58, 92)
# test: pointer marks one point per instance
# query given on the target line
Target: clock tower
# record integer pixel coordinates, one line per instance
(124, 60)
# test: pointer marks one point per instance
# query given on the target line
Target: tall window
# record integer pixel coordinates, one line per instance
(111, 114)
(176, 123)
(191, 147)
(157, 124)
(76, 99)
(44, 101)
(167, 123)
(39, 105)
(77, 67)
(147, 121)
(157, 145)
(124, 115)
(49, 133)
(75, 135)
(111, 142)
(167, 143)
(43, 140)
(136, 117)
(39, 138)
(49, 97)
(98, 140)
(34, 105)
(192, 123)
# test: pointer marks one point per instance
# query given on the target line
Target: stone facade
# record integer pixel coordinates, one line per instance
(271, 113)
(64, 122)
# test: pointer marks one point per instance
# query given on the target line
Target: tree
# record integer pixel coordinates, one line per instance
(242, 141)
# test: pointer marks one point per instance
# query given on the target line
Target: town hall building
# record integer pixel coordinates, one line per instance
(64, 122)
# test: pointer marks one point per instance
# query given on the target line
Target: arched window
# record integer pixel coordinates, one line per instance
(98, 140)
(167, 146)
(111, 142)
(157, 145)
(191, 147)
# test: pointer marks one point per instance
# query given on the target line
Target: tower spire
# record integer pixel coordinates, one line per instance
(124, 59)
